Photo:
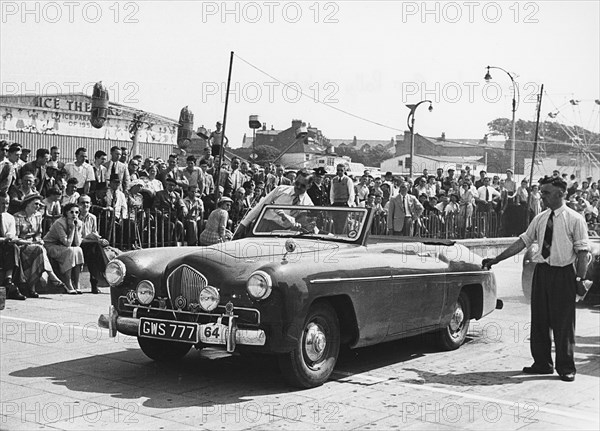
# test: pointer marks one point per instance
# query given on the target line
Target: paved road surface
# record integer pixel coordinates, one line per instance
(58, 370)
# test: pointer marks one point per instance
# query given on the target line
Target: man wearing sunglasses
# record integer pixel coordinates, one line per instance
(280, 195)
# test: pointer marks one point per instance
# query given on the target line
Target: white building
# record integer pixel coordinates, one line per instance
(399, 165)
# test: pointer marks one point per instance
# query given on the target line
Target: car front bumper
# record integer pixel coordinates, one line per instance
(231, 336)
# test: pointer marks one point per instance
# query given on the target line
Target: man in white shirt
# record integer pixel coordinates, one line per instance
(193, 173)
(116, 198)
(80, 170)
(562, 260)
(10, 262)
(486, 199)
(235, 178)
(341, 194)
(280, 195)
(54, 161)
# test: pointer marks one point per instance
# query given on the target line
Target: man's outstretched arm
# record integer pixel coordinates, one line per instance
(512, 249)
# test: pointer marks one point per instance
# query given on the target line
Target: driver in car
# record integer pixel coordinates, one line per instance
(280, 195)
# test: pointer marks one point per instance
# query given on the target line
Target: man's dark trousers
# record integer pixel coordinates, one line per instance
(553, 308)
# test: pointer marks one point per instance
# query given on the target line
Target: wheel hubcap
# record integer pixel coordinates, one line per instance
(457, 319)
(315, 342)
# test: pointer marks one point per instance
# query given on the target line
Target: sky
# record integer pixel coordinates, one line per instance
(347, 68)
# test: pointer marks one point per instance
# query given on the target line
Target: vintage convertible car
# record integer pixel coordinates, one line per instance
(593, 271)
(303, 282)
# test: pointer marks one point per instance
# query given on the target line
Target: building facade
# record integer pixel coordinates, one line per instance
(400, 165)
(63, 120)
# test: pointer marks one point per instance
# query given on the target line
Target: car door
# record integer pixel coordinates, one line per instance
(419, 289)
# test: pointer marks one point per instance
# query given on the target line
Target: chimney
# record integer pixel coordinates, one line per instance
(264, 126)
(443, 136)
(296, 124)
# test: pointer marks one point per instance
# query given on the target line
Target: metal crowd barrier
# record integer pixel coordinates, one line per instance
(450, 226)
(151, 228)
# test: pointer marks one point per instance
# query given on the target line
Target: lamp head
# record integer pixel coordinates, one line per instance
(487, 76)
(430, 107)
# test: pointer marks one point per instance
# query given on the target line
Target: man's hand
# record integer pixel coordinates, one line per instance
(103, 242)
(487, 263)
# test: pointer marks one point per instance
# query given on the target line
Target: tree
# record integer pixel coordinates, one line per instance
(266, 153)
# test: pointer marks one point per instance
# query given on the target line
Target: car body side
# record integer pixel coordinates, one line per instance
(380, 292)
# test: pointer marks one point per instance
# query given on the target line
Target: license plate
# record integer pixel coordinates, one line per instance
(213, 333)
(169, 330)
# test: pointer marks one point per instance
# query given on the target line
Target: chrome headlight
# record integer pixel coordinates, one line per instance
(145, 292)
(209, 298)
(115, 272)
(259, 285)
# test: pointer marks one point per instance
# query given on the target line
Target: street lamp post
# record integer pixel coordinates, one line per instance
(488, 78)
(410, 122)
(254, 124)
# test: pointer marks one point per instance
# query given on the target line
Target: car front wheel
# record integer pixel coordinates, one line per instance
(312, 361)
(163, 351)
(455, 333)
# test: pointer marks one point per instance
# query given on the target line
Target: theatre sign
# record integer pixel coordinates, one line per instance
(69, 115)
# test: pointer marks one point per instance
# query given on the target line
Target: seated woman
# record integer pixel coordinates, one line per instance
(63, 244)
(216, 225)
(34, 259)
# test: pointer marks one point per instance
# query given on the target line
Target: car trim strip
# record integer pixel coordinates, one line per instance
(392, 277)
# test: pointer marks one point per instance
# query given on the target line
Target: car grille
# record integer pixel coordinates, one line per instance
(183, 286)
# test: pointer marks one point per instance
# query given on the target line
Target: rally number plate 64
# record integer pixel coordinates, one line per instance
(214, 333)
(169, 330)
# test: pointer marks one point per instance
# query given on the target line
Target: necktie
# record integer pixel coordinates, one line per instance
(296, 200)
(487, 194)
(114, 168)
(96, 174)
(548, 236)
(1, 227)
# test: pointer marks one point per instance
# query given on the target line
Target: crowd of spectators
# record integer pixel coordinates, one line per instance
(57, 214)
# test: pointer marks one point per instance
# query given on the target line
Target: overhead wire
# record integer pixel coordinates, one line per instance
(302, 93)
(566, 130)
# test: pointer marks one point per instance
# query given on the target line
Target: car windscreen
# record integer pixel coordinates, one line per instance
(346, 224)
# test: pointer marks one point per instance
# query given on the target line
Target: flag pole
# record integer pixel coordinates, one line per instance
(222, 149)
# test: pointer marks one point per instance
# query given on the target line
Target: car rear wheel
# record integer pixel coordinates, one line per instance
(455, 333)
(163, 351)
(312, 361)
